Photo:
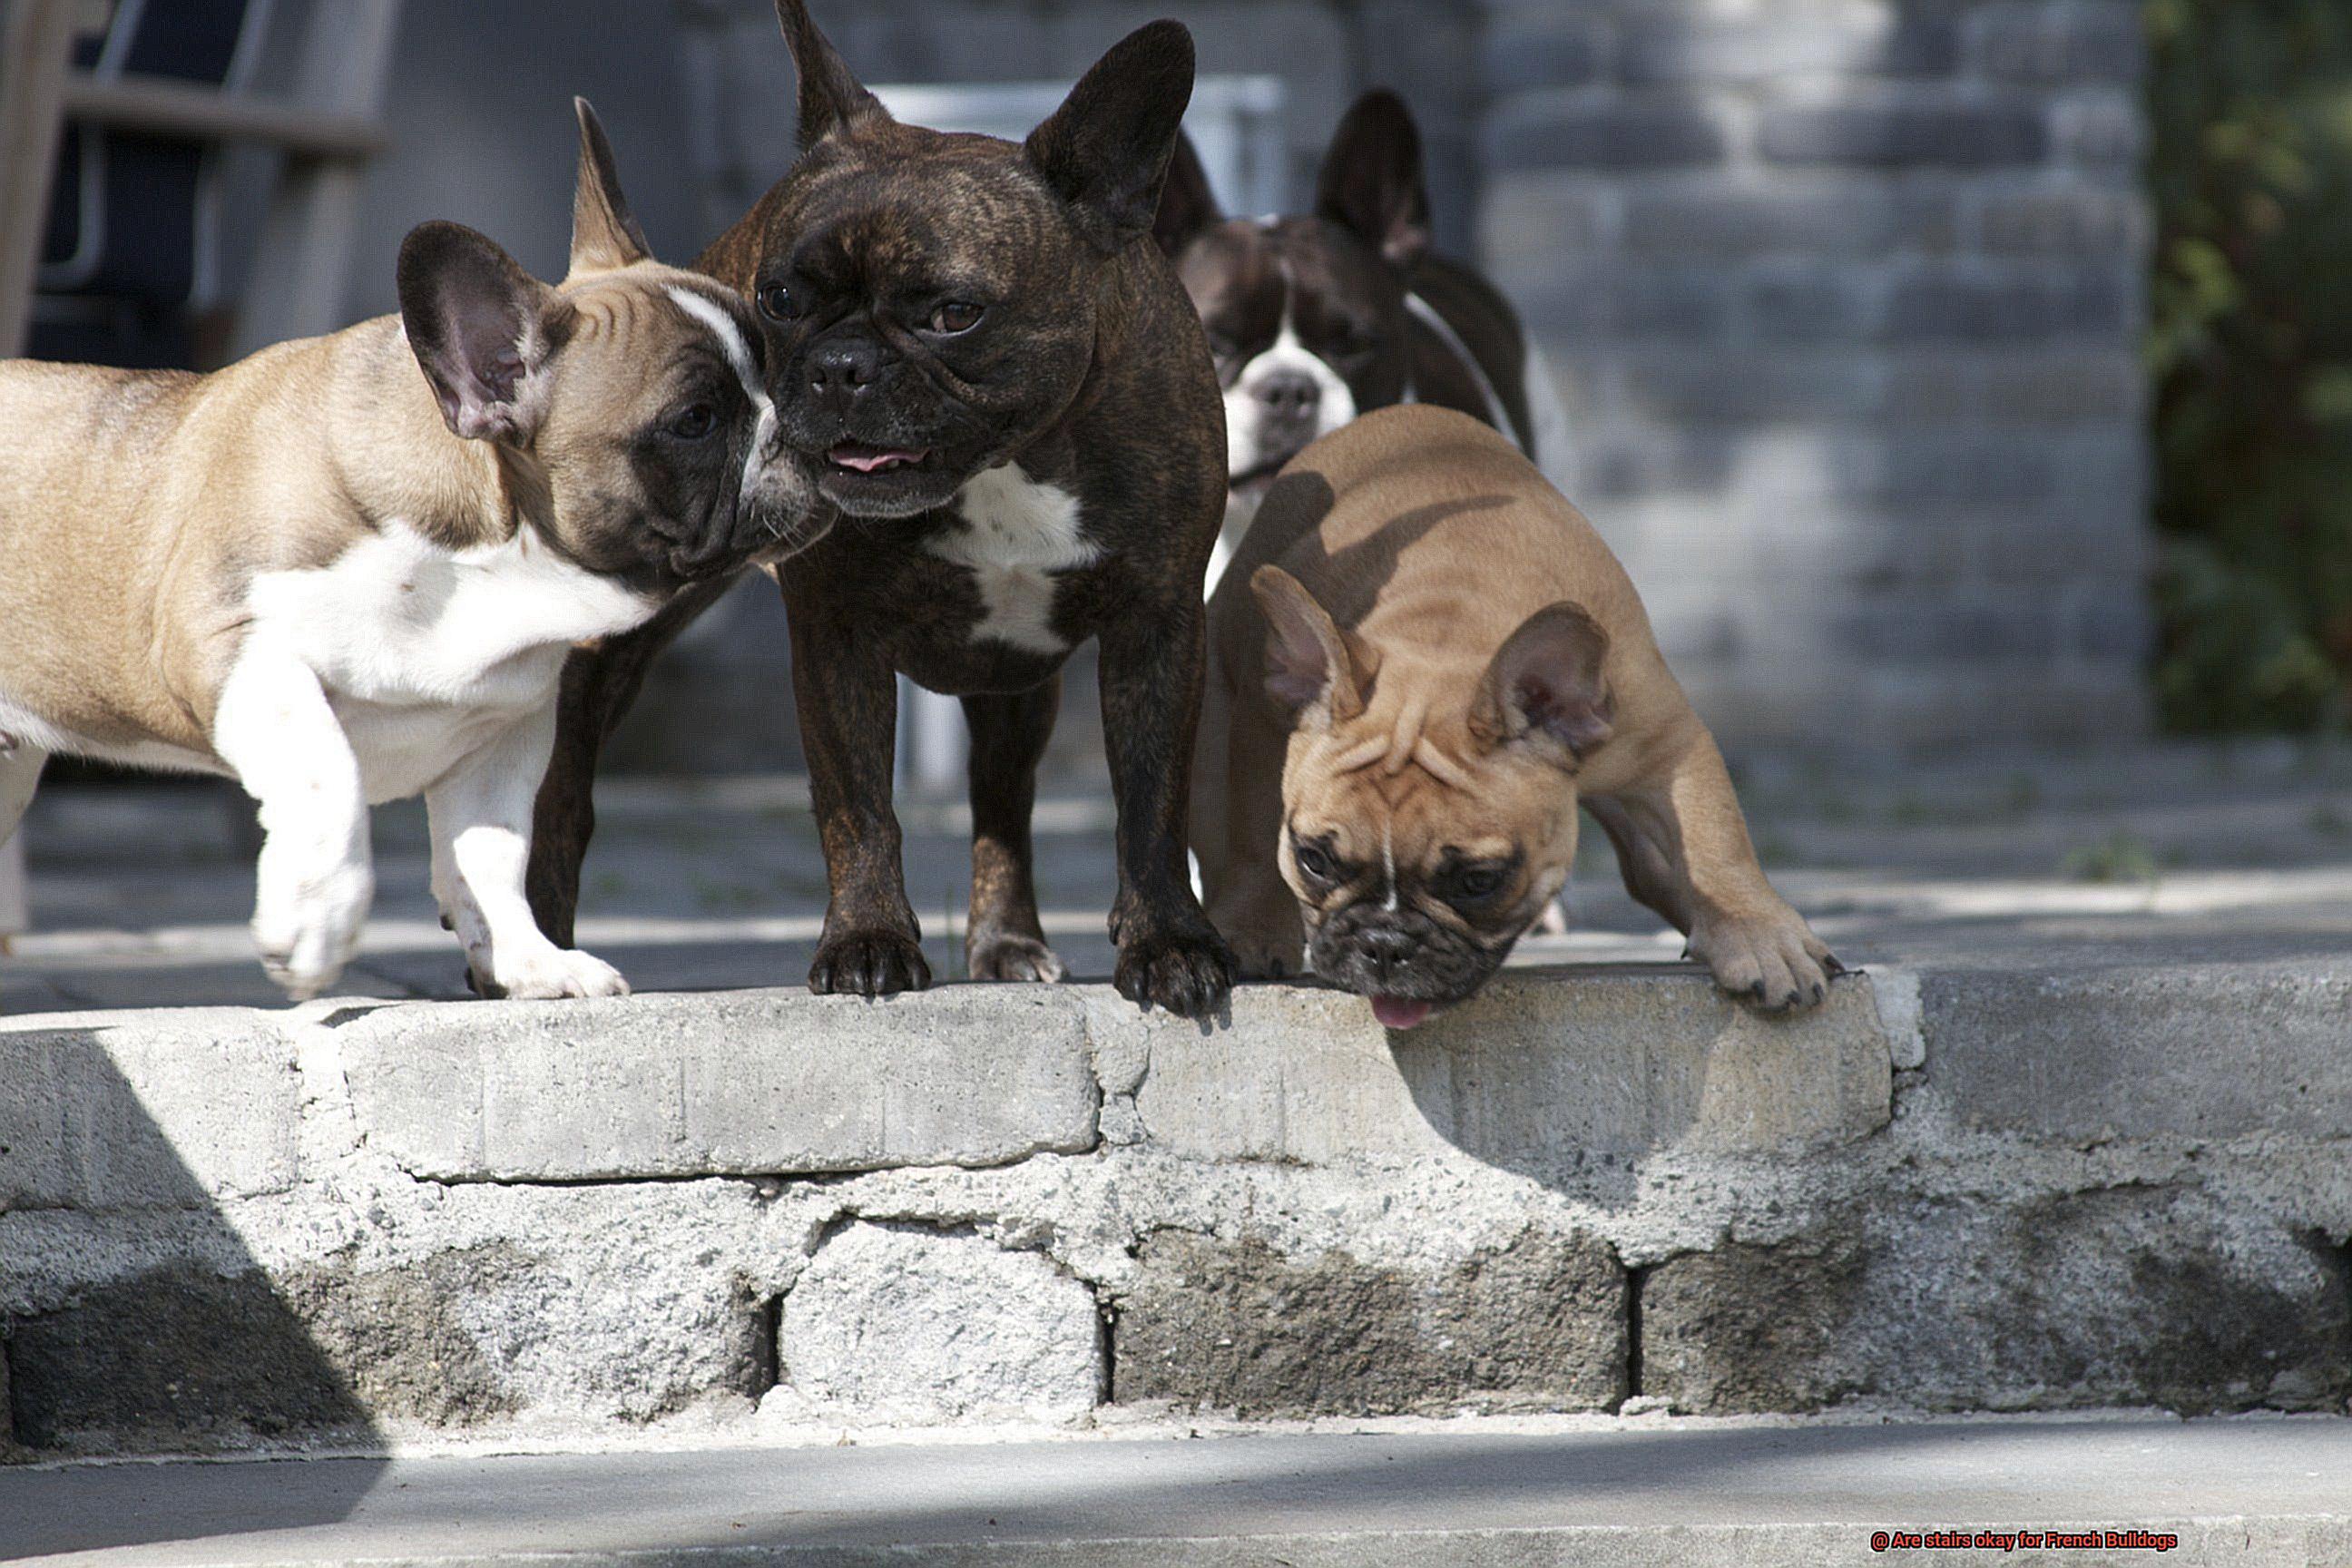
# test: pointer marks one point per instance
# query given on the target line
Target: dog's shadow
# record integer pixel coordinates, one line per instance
(1348, 581)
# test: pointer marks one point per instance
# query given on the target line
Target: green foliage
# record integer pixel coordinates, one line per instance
(2251, 353)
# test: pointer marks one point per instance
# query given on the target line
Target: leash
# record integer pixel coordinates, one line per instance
(1497, 414)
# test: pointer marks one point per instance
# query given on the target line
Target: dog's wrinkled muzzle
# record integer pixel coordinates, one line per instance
(1405, 961)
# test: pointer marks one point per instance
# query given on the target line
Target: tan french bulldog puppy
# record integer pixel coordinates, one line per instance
(348, 570)
(1423, 661)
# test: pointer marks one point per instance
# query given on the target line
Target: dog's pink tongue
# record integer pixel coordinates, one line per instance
(1399, 1012)
(868, 459)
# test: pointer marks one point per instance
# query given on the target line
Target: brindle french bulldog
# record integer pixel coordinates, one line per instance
(1008, 398)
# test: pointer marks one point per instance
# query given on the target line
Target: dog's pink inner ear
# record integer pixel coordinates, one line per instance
(1308, 658)
(1547, 678)
(480, 328)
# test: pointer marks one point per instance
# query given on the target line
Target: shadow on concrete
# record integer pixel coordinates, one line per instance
(978, 1502)
(1649, 1059)
(135, 1319)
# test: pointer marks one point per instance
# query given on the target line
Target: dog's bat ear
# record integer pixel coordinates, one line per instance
(1308, 659)
(482, 329)
(1372, 183)
(1107, 149)
(1547, 679)
(831, 96)
(1188, 207)
(604, 236)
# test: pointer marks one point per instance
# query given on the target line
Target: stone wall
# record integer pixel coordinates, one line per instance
(1844, 302)
(763, 1213)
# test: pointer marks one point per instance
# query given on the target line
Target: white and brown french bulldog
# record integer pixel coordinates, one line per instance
(348, 570)
(1315, 317)
(1423, 661)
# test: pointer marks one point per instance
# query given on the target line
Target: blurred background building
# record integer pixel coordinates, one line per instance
(1846, 298)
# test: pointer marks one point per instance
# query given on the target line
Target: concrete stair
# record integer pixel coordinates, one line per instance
(754, 1216)
(1627, 1494)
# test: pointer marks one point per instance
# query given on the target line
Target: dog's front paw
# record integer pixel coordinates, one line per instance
(549, 972)
(1005, 955)
(868, 964)
(307, 930)
(1774, 962)
(1188, 972)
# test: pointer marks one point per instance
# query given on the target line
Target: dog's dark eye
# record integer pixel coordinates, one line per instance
(1474, 882)
(694, 421)
(778, 303)
(956, 316)
(1313, 861)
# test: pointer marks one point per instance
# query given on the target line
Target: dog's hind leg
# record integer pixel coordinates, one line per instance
(1002, 937)
(1169, 956)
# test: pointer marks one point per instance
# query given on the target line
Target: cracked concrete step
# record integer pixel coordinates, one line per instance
(1628, 1494)
(782, 1083)
(758, 1215)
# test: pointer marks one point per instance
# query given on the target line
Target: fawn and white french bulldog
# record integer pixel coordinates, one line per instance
(348, 570)
(1422, 662)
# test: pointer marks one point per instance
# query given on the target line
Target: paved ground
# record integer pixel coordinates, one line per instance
(1633, 1492)
(2191, 854)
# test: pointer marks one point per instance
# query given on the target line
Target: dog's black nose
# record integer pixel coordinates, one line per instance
(1289, 395)
(844, 367)
(1385, 950)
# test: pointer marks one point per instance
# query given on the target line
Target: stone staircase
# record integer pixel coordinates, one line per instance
(755, 1215)
(1600, 1267)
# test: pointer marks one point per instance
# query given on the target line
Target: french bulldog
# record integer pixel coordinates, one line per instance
(1314, 319)
(1008, 400)
(350, 569)
(1423, 661)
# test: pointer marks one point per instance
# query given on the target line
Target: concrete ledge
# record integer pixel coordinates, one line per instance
(733, 1084)
(2201, 1051)
(146, 1110)
(757, 1211)
(1537, 1068)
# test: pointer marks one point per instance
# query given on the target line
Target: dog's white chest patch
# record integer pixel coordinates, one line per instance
(1021, 533)
(424, 651)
